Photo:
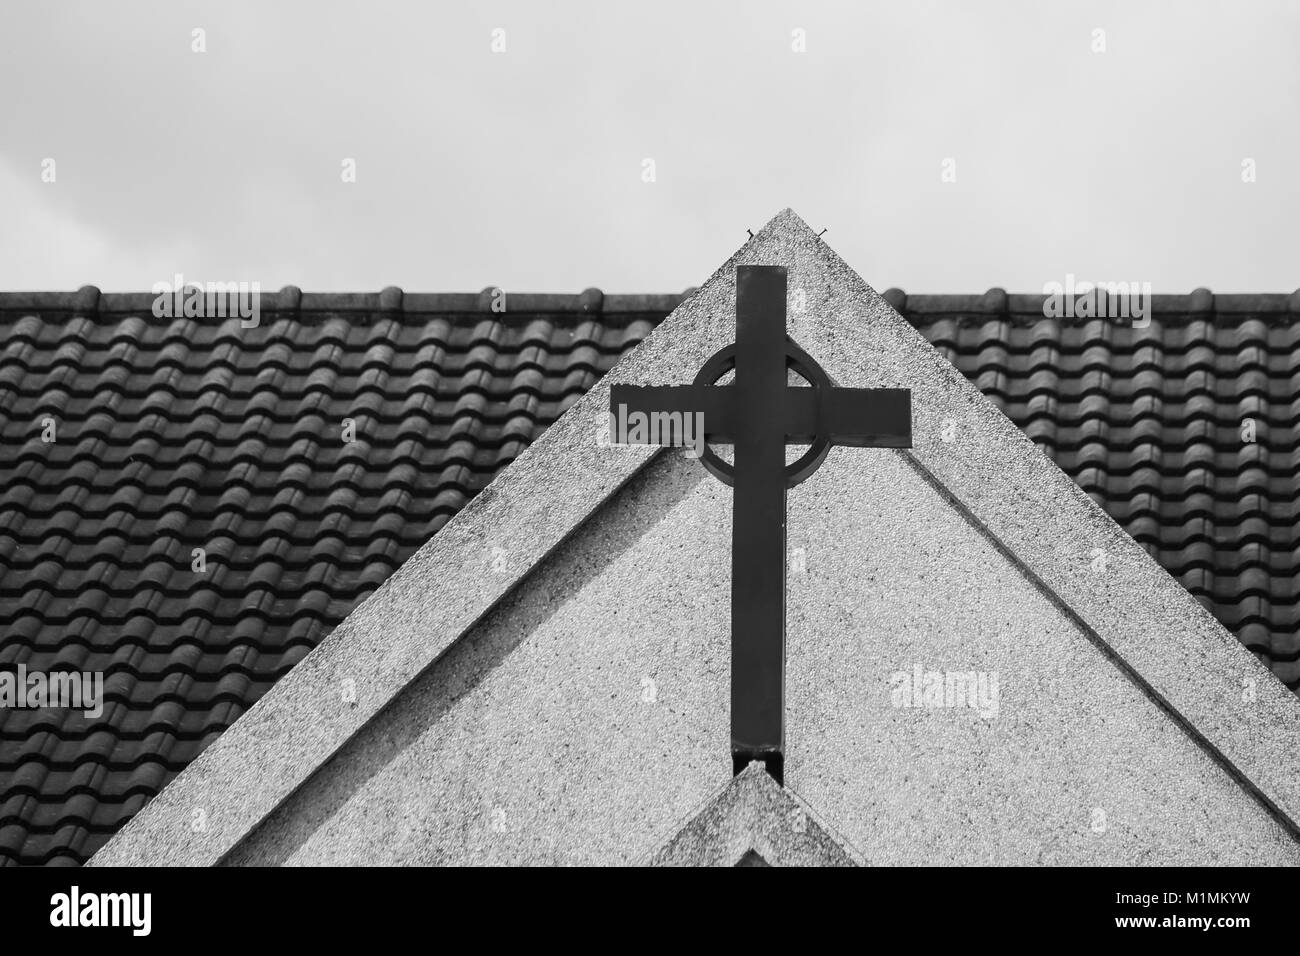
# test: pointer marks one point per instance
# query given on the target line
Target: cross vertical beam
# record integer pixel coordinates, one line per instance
(758, 526)
(760, 413)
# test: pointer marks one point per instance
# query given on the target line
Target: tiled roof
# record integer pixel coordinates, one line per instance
(179, 434)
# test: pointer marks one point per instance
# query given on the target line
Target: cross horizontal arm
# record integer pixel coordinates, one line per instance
(856, 417)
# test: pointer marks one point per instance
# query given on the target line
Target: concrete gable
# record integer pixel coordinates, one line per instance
(546, 681)
(585, 717)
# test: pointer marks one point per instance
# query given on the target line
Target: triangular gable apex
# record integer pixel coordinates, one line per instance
(754, 821)
(963, 445)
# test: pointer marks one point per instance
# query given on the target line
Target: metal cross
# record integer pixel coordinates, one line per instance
(760, 413)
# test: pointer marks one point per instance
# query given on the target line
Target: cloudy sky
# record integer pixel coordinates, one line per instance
(944, 146)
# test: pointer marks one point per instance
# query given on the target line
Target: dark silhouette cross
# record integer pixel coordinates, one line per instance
(760, 413)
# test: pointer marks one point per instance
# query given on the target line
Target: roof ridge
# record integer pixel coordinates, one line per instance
(1200, 304)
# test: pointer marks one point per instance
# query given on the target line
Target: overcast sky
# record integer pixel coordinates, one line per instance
(526, 168)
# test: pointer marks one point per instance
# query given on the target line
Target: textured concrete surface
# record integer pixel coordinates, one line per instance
(533, 742)
(1131, 610)
(1070, 762)
(755, 822)
(578, 723)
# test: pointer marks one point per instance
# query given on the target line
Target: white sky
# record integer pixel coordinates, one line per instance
(524, 169)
